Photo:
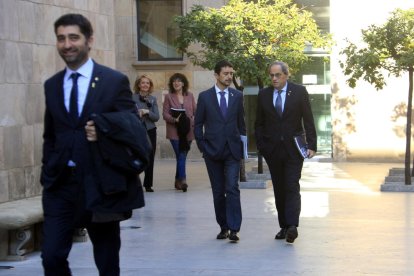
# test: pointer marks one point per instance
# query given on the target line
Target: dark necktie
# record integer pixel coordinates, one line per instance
(223, 104)
(278, 103)
(73, 103)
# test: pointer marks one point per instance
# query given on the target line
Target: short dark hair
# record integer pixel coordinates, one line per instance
(221, 64)
(181, 77)
(79, 20)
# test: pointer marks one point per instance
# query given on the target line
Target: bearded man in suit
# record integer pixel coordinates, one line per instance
(218, 127)
(284, 111)
(68, 173)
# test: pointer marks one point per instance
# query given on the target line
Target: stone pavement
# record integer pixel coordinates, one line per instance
(348, 227)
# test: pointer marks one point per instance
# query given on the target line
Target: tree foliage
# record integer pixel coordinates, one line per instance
(386, 50)
(250, 34)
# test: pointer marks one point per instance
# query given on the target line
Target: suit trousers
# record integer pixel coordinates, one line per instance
(149, 171)
(286, 173)
(64, 211)
(224, 178)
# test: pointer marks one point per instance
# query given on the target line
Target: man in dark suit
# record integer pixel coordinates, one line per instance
(284, 111)
(218, 127)
(68, 174)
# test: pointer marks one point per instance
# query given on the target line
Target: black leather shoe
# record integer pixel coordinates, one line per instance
(281, 235)
(224, 234)
(291, 234)
(149, 189)
(233, 236)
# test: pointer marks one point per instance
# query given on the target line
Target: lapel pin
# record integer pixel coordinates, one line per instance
(231, 94)
(289, 93)
(96, 79)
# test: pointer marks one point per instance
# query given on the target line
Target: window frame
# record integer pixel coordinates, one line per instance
(140, 57)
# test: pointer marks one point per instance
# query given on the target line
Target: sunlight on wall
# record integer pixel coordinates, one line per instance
(375, 131)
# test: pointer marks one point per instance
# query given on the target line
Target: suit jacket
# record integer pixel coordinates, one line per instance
(171, 101)
(272, 130)
(213, 131)
(64, 140)
(150, 104)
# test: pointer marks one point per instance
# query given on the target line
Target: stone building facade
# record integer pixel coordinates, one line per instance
(28, 57)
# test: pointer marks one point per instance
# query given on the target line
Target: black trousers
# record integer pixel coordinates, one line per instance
(286, 173)
(64, 211)
(149, 171)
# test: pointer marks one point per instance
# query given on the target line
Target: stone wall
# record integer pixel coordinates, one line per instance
(28, 57)
(159, 72)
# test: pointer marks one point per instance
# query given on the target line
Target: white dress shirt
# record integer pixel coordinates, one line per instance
(84, 80)
(226, 95)
(282, 95)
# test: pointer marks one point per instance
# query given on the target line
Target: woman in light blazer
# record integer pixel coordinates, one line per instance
(147, 109)
(179, 124)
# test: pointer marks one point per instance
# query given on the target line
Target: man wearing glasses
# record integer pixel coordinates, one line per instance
(283, 112)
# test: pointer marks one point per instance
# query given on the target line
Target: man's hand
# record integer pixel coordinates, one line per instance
(91, 131)
(311, 153)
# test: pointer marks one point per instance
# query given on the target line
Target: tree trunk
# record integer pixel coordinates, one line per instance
(259, 156)
(408, 128)
(242, 176)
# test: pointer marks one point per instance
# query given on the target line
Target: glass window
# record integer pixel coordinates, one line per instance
(315, 72)
(156, 30)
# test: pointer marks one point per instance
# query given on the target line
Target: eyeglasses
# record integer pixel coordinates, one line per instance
(277, 75)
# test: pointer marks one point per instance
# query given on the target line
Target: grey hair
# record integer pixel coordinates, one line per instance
(283, 65)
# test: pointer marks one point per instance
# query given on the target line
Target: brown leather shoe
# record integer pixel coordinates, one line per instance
(184, 185)
(177, 184)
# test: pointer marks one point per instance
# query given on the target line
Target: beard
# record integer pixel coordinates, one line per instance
(78, 58)
(225, 83)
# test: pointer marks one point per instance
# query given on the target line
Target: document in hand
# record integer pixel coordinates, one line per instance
(177, 112)
(301, 145)
(244, 141)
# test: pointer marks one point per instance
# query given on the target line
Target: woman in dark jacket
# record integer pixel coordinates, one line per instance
(147, 109)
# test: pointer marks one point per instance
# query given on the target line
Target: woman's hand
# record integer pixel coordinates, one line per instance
(143, 112)
(177, 119)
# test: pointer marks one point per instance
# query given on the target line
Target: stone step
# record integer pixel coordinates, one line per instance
(254, 184)
(265, 168)
(256, 176)
(397, 178)
(397, 171)
(396, 187)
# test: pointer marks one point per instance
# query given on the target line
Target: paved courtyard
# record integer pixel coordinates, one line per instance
(348, 227)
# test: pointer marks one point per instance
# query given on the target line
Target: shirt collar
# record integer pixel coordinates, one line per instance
(226, 90)
(85, 70)
(283, 89)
